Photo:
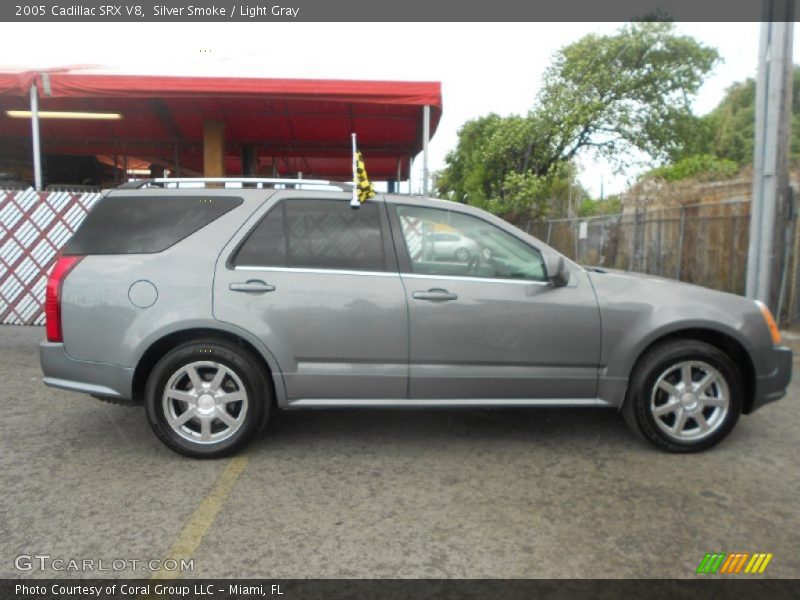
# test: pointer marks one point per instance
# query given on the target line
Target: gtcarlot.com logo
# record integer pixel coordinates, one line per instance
(734, 563)
(45, 562)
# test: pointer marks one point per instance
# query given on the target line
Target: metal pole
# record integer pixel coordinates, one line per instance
(575, 234)
(37, 151)
(787, 250)
(732, 250)
(399, 175)
(410, 161)
(426, 134)
(770, 166)
(354, 201)
(681, 232)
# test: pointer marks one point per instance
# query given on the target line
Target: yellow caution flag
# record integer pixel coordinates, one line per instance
(363, 189)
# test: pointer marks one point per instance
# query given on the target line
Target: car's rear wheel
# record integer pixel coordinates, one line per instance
(684, 396)
(207, 399)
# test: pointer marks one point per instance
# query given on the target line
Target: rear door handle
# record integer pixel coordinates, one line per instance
(435, 295)
(253, 286)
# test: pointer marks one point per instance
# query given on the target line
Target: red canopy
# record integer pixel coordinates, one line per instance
(296, 124)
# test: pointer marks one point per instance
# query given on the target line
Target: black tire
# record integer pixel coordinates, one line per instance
(240, 368)
(638, 408)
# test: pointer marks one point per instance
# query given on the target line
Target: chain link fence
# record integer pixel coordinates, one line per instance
(704, 244)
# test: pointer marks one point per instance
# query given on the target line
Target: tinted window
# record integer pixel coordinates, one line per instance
(441, 242)
(145, 224)
(266, 244)
(316, 234)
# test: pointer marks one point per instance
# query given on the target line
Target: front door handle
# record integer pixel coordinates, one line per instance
(253, 286)
(435, 295)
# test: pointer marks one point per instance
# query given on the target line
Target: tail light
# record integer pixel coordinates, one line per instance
(52, 304)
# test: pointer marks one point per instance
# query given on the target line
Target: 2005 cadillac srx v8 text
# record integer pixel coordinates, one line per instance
(215, 307)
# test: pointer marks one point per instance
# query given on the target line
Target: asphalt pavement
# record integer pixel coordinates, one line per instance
(385, 494)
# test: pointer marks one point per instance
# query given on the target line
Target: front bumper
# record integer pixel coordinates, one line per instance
(773, 386)
(98, 379)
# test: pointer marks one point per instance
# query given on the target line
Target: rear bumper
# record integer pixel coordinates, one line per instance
(773, 386)
(98, 379)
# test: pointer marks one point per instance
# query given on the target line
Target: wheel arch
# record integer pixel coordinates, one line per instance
(157, 348)
(721, 340)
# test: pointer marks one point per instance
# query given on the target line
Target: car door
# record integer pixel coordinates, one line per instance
(486, 324)
(317, 282)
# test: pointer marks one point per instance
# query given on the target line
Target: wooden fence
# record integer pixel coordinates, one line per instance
(704, 243)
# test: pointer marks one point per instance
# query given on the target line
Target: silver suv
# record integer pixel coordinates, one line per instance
(214, 307)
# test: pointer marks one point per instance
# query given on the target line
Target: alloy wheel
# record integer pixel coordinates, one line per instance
(205, 402)
(690, 401)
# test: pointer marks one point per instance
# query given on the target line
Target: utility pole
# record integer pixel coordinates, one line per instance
(770, 157)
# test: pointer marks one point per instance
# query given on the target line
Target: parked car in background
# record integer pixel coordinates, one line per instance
(448, 246)
(216, 307)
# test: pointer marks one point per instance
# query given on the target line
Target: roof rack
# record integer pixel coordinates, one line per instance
(257, 182)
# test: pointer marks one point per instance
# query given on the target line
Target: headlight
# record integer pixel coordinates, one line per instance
(773, 328)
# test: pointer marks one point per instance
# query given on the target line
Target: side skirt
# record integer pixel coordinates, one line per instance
(446, 403)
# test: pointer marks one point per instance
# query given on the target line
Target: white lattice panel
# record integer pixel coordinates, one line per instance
(34, 226)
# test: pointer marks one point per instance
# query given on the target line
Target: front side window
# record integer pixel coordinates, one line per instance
(441, 242)
(316, 234)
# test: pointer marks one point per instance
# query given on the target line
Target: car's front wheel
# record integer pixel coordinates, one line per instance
(207, 399)
(684, 396)
(463, 254)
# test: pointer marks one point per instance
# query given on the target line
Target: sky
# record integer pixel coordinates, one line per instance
(483, 67)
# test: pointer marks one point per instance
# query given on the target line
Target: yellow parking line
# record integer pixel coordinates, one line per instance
(203, 516)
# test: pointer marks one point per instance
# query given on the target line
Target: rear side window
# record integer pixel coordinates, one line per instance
(145, 224)
(316, 234)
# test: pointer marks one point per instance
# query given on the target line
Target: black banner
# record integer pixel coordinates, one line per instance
(370, 10)
(734, 588)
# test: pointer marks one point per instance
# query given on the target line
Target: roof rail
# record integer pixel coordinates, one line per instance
(257, 182)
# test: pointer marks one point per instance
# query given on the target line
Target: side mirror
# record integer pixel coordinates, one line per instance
(557, 272)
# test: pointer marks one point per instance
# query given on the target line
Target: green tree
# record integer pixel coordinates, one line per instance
(720, 143)
(604, 93)
(697, 166)
(610, 206)
(729, 129)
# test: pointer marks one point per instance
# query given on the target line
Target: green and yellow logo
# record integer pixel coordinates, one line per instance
(734, 563)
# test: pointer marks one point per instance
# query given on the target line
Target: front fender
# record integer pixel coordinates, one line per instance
(638, 310)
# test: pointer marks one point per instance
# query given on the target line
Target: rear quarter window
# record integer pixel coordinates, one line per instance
(145, 224)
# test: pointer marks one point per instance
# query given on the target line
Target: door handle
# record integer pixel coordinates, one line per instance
(435, 295)
(253, 286)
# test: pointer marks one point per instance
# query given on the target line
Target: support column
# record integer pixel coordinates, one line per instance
(213, 149)
(770, 157)
(410, 164)
(426, 135)
(399, 175)
(37, 150)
